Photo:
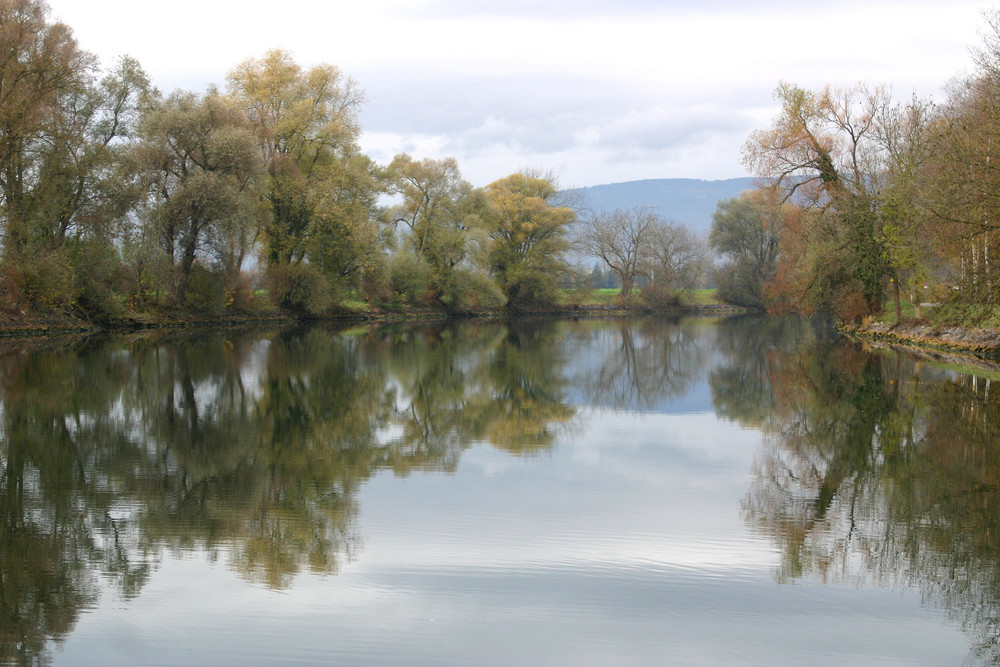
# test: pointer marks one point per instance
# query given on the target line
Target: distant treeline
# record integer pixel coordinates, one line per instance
(869, 201)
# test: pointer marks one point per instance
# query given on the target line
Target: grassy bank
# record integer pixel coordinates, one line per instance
(964, 315)
(972, 329)
(613, 296)
(598, 302)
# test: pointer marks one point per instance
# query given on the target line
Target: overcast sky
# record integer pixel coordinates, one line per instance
(595, 91)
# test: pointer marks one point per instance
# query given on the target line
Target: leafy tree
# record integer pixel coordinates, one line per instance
(746, 231)
(63, 177)
(912, 245)
(202, 164)
(528, 232)
(84, 181)
(827, 151)
(960, 176)
(320, 191)
(443, 227)
(346, 239)
(599, 279)
(43, 73)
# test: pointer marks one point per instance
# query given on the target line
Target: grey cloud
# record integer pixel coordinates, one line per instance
(550, 113)
(438, 103)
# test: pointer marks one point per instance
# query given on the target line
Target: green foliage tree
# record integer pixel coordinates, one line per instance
(202, 164)
(443, 230)
(528, 232)
(959, 175)
(345, 243)
(63, 177)
(321, 192)
(42, 72)
(746, 231)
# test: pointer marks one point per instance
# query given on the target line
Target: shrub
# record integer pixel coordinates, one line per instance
(300, 288)
(238, 294)
(409, 277)
(99, 276)
(475, 291)
(46, 283)
(739, 285)
(376, 285)
(205, 290)
(659, 296)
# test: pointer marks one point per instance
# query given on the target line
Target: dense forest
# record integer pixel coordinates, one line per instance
(867, 202)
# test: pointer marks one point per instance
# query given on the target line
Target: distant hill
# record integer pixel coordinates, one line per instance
(687, 201)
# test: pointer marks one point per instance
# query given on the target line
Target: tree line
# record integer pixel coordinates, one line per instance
(117, 199)
(865, 200)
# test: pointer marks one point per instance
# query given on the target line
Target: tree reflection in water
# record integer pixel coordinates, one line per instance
(876, 467)
(245, 447)
(252, 448)
(640, 364)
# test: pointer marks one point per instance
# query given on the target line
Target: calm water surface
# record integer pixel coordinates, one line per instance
(745, 491)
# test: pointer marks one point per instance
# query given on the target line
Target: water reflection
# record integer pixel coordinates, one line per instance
(654, 359)
(246, 447)
(252, 447)
(876, 469)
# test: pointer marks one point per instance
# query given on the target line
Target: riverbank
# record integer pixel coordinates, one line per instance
(981, 342)
(33, 325)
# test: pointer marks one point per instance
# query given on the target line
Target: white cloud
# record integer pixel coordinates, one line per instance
(596, 91)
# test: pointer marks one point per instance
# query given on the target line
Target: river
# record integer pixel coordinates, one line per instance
(717, 491)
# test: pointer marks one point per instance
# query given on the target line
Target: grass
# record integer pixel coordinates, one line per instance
(354, 303)
(963, 315)
(612, 296)
(906, 309)
(604, 296)
(701, 297)
(967, 315)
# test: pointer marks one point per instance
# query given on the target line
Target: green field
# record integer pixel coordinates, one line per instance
(701, 297)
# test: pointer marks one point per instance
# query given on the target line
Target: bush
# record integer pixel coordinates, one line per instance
(98, 301)
(11, 299)
(300, 288)
(46, 283)
(409, 277)
(205, 290)
(99, 276)
(739, 286)
(238, 295)
(659, 296)
(376, 285)
(529, 289)
(477, 291)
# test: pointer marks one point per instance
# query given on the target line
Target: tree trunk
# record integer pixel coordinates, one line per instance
(627, 285)
(895, 300)
(187, 261)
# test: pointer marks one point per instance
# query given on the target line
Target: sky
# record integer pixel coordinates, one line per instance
(592, 91)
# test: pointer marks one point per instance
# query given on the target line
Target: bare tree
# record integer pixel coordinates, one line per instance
(620, 239)
(674, 257)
